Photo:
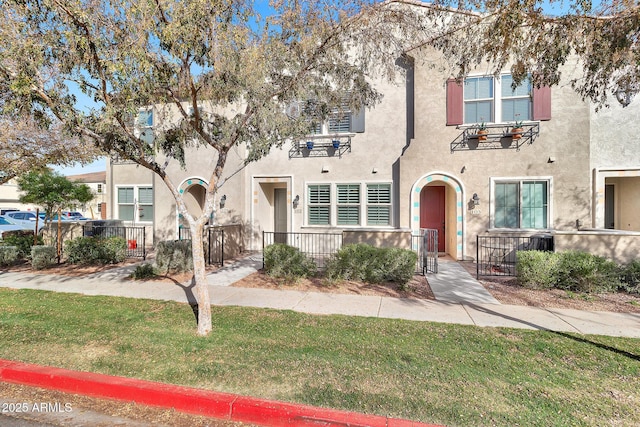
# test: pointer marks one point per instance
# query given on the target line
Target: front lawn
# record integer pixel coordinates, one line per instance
(448, 374)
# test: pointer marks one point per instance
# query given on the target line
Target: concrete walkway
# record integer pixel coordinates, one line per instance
(459, 299)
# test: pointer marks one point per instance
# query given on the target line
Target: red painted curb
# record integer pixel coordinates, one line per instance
(213, 404)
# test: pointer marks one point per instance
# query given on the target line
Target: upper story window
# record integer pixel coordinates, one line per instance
(99, 189)
(489, 99)
(144, 126)
(338, 120)
(515, 103)
(494, 100)
(478, 99)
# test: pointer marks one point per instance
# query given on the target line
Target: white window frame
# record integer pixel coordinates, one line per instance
(309, 205)
(348, 203)
(520, 180)
(342, 115)
(496, 101)
(363, 204)
(136, 203)
(369, 204)
(140, 128)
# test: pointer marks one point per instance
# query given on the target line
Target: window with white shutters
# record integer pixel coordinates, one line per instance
(348, 204)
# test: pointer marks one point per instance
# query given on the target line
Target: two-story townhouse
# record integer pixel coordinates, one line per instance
(417, 160)
(465, 184)
(343, 175)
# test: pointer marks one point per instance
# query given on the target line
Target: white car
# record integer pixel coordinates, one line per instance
(6, 225)
(25, 219)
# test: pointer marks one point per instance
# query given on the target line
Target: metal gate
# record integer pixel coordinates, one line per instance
(429, 252)
(213, 243)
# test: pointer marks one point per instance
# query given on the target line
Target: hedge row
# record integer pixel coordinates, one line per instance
(352, 262)
(575, 271)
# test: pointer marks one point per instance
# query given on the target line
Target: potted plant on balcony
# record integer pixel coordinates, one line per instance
(482, 132)
(516, 131)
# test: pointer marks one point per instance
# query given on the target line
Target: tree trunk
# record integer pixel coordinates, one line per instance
(199, 276)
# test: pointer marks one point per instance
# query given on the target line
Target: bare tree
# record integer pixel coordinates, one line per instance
(176, 55)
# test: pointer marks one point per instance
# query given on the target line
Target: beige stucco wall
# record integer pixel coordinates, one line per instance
(381, 239)
(565, 139)
(615, 159)
(372, 159)
(621, 247)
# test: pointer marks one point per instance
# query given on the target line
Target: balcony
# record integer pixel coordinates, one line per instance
(498, 136)
(321, 146)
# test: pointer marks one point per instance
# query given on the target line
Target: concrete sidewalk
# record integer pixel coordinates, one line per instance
(460, 299)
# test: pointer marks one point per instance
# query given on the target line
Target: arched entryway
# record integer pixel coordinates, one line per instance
(437, 203)
(193, 192)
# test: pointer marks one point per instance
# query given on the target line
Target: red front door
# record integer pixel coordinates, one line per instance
(432, 212)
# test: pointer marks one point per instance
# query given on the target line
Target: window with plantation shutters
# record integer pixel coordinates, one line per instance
(348, 204)
(319, 204)
(378, 204)
(340, 119)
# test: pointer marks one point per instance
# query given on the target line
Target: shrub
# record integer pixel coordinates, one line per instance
(352, 262)
(631, 277)
(43, 256)
(144, 271)
(22, 240)
(537, 269)
(584, 272)
(90, 250)
(174, 256)
(287, 262)
(373, 265)
(8, 255)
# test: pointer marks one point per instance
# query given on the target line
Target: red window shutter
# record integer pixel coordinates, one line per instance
(542, 103)
(455, 103)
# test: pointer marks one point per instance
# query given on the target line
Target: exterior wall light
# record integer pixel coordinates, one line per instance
(475, 199)
(296, 201)
(223, 201)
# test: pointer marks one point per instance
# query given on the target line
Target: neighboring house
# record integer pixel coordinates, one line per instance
(97, 181)
(417, 161)
(10, 197)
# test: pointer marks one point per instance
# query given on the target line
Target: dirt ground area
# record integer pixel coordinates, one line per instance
(505, 289)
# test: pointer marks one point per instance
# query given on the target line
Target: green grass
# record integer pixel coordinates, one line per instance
(449, 374)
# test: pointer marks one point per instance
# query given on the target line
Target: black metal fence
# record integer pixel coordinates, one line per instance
(319, 246)
(135, 237)
(496, 255)
(213, 243)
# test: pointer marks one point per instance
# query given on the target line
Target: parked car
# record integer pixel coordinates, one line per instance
(75, 216)
(6, 225)
(65, 216)
(7, 210)
(25, 219)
